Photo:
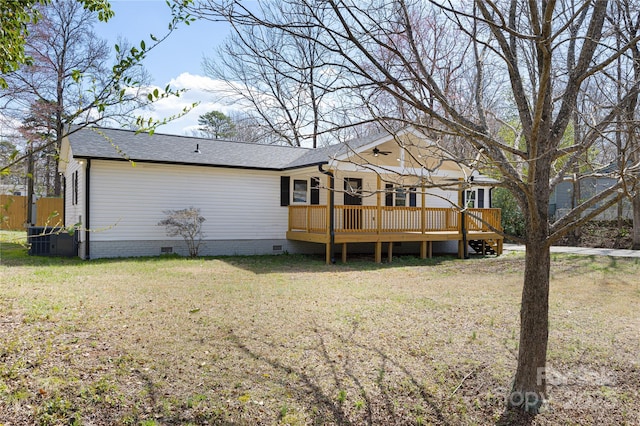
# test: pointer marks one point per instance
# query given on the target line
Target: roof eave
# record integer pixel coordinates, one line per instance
(212, 165)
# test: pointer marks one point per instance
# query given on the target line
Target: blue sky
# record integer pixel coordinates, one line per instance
(176, 61)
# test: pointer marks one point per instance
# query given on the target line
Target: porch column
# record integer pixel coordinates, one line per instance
(329, 217)
(328, 222)
(423, 218)
(378, 251)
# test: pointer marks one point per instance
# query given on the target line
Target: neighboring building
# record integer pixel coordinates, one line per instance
(8, 189)
(561, 200)
(260, 199)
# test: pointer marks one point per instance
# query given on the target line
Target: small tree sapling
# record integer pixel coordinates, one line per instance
(186, 223)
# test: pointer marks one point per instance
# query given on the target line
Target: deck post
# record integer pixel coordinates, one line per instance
(330, 208)
(430, 249)
(390, 252)
(328, 253)
(378, 251)
(423, 249)
(462, 224)
(344, 252)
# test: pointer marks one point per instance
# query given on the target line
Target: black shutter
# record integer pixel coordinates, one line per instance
(74, 183)
(480, 200)
(412, 197)
(315, 190)
(388, 198)
(285, 184)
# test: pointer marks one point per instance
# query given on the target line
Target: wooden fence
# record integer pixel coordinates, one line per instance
(13, 212)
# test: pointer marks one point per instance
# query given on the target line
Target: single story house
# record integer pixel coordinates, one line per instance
(388, 191)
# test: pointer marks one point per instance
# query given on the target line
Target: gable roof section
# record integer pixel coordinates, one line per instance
(119, 144)
(116, 144)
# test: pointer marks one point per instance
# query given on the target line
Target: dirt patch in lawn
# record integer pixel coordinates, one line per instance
(604, 234)
(289, 340)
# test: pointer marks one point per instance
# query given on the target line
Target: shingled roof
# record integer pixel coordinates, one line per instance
(120, 144)
(117, 144)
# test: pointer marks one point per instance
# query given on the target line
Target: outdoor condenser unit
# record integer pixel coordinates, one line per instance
(45, 241)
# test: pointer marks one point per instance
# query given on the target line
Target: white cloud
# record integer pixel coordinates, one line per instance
(199, 89)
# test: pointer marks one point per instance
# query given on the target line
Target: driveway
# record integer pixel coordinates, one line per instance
(586, 251)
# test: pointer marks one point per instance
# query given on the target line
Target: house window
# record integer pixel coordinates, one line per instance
(470, 199)
(397, 196)
(401, 197)
(299, 191)
(315, 191)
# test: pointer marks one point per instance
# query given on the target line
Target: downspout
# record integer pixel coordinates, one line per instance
(87, 197)
(462, 198)
(332, 231)
(463, 229)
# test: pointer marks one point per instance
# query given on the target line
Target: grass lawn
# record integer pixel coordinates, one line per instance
(289, 340)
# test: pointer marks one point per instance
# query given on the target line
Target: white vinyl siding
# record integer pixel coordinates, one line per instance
(74, 212)
(437, 197)
(127, 202)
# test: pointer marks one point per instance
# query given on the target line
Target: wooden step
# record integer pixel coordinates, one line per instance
(489, 246)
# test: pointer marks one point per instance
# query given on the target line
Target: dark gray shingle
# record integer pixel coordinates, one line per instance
(125, 144)
(104, 143)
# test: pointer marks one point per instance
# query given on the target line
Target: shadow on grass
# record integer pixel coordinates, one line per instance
(514, 417)
(327, 392)
(12, 254)
(315, 263)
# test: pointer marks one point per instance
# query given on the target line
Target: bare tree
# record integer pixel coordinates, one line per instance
(281, 80)
(625, 19)
(69, 72)
(68, 60)
(539, 58)
(186, 223)
(15, 20)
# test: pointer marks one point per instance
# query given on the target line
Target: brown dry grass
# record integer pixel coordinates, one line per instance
(268, 340)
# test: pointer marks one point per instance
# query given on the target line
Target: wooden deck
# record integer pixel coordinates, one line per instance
(379, 224)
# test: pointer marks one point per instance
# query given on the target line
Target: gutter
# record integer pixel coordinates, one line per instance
(212, 165)
(332, 231)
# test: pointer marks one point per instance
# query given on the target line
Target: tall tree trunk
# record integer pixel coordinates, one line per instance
(635, 201)
(529, 387)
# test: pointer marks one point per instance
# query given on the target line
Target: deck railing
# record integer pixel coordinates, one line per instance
(367, 219)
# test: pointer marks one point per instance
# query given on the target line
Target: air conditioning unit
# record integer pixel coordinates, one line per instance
(45, 241)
